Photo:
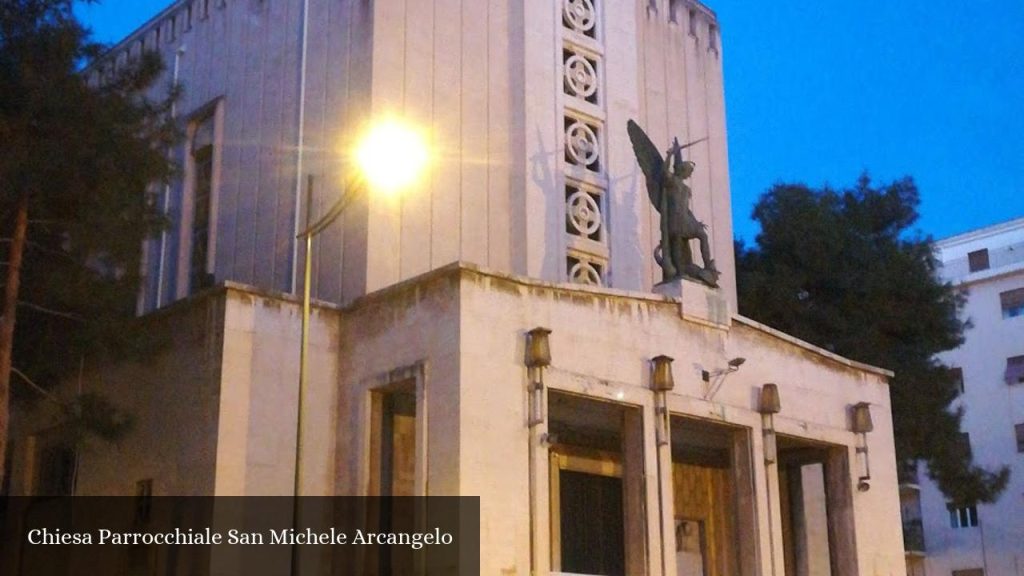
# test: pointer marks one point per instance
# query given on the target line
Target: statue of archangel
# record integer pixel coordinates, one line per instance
(667, 189)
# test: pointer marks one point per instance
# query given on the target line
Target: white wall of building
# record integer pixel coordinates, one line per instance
(484, 79)
(992, 407)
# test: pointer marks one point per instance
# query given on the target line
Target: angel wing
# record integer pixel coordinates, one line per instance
(650, 161)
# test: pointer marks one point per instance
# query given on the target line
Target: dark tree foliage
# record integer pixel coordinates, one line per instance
(843, 270)
(77, 161)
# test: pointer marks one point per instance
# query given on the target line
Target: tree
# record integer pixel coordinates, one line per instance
(77, 161)
(842, 269)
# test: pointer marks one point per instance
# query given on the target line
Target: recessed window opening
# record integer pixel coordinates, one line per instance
(56, 473)
(201, 151)
(958, 378)
(963, 516)
(596, 491)
(394, 441)
(816, 499)
(1012, 303)
(712, 498)
(393, 470)
(977, 260)
(1014, 370)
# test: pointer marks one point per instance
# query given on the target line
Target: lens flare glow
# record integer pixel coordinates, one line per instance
(392, 156)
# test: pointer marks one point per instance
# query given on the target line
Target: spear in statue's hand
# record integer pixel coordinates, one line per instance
(676, 146)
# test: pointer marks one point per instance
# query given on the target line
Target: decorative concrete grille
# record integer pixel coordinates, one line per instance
(580, 76)
(581, 145)
(580, 16)
(586, 209)
(583, 212)
(585, 271)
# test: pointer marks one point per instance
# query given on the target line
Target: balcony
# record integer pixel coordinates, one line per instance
(913, 538)
(907, 474)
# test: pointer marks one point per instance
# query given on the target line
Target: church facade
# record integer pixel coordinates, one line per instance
(501, 330)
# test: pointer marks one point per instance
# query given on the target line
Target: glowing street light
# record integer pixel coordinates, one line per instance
(390, 157)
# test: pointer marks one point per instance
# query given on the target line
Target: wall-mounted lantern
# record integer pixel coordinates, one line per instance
(769, 405)
(861, 425)
(662, 382)
(538, 357)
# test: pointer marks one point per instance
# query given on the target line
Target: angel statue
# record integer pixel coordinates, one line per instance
(667, 189)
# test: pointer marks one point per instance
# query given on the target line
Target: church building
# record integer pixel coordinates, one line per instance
(503, 328)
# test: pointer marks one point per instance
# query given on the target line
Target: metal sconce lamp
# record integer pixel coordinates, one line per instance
(662, 382)
(538, 357)
(719, 376)
(862, 424)
(770, 404)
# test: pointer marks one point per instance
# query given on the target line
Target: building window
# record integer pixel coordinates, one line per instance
(394, 441)
(396, 467)
(596, 487)
(963, 517)
(143, 501)
(978, 260)
(202, 150)
(56, 476)
(965, 443)
(1012, 303)
(958, 378)
(675, 10)
(1015, 370)
(1018, 429)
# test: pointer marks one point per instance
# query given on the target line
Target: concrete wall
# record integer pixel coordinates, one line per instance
(590, 358)
(408, 331)
(484, 78)
(214, 410)
(992, 407)
(173, 399)
(219, 415)
(247, 58)
(259, 391)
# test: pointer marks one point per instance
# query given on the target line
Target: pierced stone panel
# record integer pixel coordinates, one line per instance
(584, 215)
(582, 146)
(580, 76)
(586, 271)
(579, 16)
(586, 210)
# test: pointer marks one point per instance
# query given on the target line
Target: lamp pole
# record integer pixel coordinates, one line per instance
(307, 235)
(376, 165)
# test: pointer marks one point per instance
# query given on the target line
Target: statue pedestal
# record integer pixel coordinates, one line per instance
(697, 301)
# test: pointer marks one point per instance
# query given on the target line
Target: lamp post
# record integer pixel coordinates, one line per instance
(389, 158)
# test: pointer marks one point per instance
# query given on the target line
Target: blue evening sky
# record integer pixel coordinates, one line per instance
(819, 91)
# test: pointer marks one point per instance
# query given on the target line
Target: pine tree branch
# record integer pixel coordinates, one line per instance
(42, 391)
(38, 308)
(47, 250)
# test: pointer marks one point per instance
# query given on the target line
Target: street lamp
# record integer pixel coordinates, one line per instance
(389, 158)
